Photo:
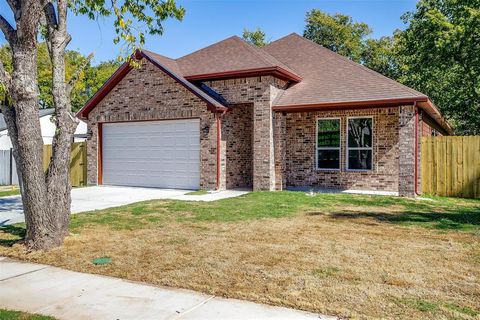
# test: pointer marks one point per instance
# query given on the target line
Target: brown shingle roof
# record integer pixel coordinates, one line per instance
(329, 77)
(318, 76)
(227, 56)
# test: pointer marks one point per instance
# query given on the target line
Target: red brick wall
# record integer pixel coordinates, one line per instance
(147, 93)
(237, 126)
(300, 166)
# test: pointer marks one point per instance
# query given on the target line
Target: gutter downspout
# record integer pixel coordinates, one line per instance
(416, 149)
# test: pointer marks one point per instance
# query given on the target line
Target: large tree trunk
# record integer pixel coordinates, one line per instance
(45, 196)
(46, 210)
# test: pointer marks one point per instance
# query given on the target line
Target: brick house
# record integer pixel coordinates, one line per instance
(289, 114)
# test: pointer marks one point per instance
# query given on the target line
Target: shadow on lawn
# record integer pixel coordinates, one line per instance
(452, 219)
(17, 231)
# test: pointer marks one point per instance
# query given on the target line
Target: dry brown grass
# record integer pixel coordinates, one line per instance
(354, 268)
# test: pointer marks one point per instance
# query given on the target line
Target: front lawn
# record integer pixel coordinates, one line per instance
(347, 255)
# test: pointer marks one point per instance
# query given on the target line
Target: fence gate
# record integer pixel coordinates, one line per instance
(450, 166)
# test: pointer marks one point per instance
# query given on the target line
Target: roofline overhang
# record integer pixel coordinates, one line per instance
(123, 70)
(436, 115)
(276, 71)
(422, 101)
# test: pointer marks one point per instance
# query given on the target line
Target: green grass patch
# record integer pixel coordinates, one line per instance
(439, 213)
(12, 192)
(18, 315)
(462, 309)
(325, 272)
(197, 193)
(419, 304)
(435, 306)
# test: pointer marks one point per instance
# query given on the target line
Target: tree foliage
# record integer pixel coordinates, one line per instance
(337, 32)
(90, 77)
(132, 18)
(439, 55)
(256, 37)
(349, 38)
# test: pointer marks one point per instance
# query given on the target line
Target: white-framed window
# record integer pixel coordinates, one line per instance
(328, 144)
(360, 143)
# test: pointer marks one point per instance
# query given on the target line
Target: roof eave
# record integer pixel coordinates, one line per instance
(341, 105)
(276, 71)
(422, 101)
(436, 115)
(104, 90)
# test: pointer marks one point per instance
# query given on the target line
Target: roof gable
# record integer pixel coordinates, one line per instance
(155, 59)
(230, 57)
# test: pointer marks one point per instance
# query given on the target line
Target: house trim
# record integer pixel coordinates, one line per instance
(347, 148)
(276, 71)
(317, 119)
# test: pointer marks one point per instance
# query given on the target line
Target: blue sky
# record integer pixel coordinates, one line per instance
(209, 21)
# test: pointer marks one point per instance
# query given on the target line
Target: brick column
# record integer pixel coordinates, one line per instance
(263, 151)
(406, 149)
(279, 138)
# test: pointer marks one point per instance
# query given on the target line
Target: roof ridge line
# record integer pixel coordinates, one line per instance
(201, 49)
(255, 49)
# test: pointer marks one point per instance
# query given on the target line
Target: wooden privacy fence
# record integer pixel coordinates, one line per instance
(450, 166)
(78, 163)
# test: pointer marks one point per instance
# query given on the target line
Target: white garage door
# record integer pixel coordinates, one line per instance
(162, 154)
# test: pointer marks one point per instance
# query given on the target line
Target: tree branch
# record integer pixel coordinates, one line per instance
(16, 9)
(74, 79)
(9, 114)
(7, 29)
(50, 17)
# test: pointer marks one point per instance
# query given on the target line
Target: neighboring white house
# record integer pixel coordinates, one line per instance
(47, 127)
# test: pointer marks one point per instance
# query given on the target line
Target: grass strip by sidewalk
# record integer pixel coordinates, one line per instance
(19, 315)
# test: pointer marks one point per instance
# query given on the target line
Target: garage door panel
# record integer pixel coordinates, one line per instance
(152, 154)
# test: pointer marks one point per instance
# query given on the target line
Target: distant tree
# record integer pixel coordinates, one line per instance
(93, 77)
(439, 54)
(90, 78)
(337, 32)
(256, 37)
(380, 55)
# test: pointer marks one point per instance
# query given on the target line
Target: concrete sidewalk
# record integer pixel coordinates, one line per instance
(66, 294)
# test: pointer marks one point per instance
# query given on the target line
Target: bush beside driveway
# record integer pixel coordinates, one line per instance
(347, 255)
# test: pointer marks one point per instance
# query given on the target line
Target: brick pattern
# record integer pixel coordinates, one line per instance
(406, 150)
(147, 93)
(300, 166)
(260, 91)
(237, 132)
(280, 135)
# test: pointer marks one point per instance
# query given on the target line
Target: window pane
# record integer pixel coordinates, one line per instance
(328, 159)
(360, 159)
(360, 133)
(328, 133)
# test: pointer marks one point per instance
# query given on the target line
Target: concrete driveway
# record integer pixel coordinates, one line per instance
(102, 197)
